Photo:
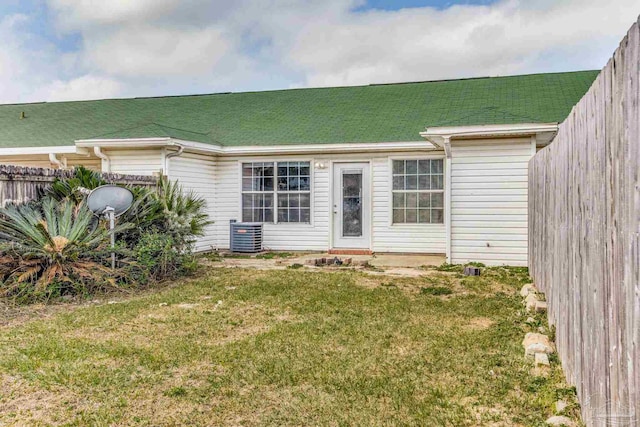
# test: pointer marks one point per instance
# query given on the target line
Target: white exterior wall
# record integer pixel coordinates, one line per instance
(197, 173)
(489, 201)
(135, 162)
(385, 237)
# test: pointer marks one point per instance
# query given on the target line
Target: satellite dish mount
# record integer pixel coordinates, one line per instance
(110, 201)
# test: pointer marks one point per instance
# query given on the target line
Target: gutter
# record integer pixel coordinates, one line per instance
(98, 152)
(171, 155)
(53, 159)
(252, 150)
(446, 143)
(544, 132)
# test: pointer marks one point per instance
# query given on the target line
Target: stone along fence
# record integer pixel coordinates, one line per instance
(584, 245)
(20, 184)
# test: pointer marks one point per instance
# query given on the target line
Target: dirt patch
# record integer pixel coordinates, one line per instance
(25, 405)
(480, 323)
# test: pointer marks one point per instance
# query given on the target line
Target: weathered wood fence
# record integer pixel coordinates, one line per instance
(584, 245)
(20, 184)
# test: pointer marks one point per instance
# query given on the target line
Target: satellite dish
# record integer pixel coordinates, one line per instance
(110, 197)
(110, 201)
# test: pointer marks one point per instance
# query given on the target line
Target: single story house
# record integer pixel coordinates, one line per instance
(426, 167)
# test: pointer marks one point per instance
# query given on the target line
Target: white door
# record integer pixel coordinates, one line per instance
(351, 206)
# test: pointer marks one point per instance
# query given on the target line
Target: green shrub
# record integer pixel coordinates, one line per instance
(157, 255)
(73, 188)
(52, 248)
(56, 246)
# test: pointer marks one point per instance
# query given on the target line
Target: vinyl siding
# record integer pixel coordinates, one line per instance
(388, 237)
(41, 161)
(135, 162)
(197, 173)
(489, 201)
(385, 237)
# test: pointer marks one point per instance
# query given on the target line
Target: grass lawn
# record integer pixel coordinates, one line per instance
(246, 348)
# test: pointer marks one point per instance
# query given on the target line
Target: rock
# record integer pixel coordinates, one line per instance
(540, 371)
(530, 302)
(187, 306)
(542, 359)
(163, 304)
(112, 302)
(542, 329)
(559, 420)
(541, 306)
(530, 320)
(536, 343)
(527, 289)
(561, 405)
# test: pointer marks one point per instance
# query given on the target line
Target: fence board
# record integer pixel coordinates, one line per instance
(20, 184)
(584, 228)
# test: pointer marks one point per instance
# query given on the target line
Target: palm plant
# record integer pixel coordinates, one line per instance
(72, 188)
(51, 245)
(183, 212)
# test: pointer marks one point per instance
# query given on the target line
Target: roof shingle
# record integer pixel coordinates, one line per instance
(374, 113)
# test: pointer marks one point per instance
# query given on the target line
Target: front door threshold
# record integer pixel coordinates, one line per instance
(350, 252)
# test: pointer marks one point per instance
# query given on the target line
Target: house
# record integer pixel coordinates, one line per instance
(428, 167)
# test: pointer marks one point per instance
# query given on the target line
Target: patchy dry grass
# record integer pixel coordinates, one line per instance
(289, 347)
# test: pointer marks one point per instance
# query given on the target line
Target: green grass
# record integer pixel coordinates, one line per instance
(288, 347)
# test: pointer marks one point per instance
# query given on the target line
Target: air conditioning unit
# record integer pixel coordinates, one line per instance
(246, 237)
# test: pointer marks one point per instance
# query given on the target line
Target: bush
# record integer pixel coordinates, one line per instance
(56, 246)
(51, 249)
(157, 257)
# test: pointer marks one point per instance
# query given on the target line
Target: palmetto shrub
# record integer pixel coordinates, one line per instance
(74, 188)
(56, 246)
(52, 248)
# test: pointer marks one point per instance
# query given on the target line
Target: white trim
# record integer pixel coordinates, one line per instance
(544, 131)
(254, 150)
(18, 151)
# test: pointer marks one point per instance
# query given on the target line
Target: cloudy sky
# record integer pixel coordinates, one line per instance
(86, 49)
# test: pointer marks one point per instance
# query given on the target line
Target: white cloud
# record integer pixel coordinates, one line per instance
(156, 51)
(84, 87)
(156, 47)
(420, 44)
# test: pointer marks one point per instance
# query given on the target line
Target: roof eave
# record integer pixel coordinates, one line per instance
(247, 150)
(544, 132)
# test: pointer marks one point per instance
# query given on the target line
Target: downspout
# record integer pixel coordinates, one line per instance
(98, 152)
(447, 195)
(170, 156)
(55, 161)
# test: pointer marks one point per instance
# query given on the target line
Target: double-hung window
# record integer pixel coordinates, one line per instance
(276, 192)
(418, 191)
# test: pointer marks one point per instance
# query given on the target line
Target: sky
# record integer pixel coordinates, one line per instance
(57, 50)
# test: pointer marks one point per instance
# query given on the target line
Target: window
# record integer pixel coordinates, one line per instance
(276, 192)
(418, 191)
(257, 192)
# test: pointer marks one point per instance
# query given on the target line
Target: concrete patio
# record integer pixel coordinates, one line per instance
(385, 263)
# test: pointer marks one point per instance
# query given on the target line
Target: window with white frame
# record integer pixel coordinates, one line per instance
(418, 191)
(276, 192)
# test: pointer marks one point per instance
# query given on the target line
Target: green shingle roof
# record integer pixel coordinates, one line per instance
(374, 113)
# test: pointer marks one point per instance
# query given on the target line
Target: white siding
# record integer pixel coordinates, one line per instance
(425, 238)
(388, 237)
(197, 173)
(489, 201)
(135, 162)
(42, 161)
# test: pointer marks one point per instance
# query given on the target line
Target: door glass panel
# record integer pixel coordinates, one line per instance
(352, 204)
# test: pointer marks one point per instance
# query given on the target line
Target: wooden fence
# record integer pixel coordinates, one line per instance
(20, 184)
(584, 245)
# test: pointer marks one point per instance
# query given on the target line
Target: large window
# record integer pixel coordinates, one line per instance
(276, 192)
(418, 191)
